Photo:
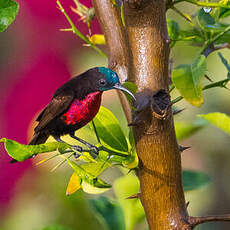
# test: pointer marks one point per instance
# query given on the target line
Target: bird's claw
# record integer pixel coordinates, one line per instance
(77, 148)
(94, 149)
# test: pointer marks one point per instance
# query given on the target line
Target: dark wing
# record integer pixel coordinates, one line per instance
(58, 105)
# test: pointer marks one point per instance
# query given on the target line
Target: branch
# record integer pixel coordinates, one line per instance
(116, 41)
(194, 221)
(77, 32)
(160, 163)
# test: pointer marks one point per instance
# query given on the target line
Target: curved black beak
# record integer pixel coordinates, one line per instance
(120, 87)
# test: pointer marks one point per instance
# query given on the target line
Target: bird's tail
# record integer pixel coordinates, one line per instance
(39, 138)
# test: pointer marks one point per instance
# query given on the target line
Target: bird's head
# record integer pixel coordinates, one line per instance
(109, 80)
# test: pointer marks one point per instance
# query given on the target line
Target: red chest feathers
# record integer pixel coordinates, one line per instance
(83, 111)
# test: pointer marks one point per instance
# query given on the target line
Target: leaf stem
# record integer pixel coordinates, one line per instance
(95, 130)
(78, 33)
(212, 40)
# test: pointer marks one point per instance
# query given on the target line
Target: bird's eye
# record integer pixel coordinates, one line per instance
(102, 82)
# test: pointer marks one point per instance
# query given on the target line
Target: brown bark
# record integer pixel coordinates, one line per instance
(160, 170)
(140, 51)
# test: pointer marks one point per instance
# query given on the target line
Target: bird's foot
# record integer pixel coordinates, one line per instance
(77, 148)
(94, 149)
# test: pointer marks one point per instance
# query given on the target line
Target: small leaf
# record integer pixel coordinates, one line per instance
(220, 120)
(110, 211)
(74, 184)
(22, 152)
(131, 160)
(88, 177)
(194, 180)
(187, 79)
(205, 18)
(185, 129)
(90, 189)
(109, 130)
(97, 39)
(173, 31)
(8, 12)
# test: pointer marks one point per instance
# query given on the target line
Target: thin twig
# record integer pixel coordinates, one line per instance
(78, 33)
(194, 221)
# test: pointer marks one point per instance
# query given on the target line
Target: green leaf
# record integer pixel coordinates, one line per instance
(8, 12)
(110, 211)
(187, 79)
(125, 187)
(173, 31)
(185, 129)
(205, 18)
(131, 87)
(22, 152)
(194, 180)
(56, 227)
(224, 12)
(220, 120)
(109, 130)
(88, 177)
(131, 160)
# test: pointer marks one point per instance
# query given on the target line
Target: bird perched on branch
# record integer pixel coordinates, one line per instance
(75, 104)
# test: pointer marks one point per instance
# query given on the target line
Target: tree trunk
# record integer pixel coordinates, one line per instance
(140, 50)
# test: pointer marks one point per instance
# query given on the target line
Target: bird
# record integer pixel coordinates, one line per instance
(75, 104)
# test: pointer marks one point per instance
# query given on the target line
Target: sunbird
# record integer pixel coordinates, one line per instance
(74, 105)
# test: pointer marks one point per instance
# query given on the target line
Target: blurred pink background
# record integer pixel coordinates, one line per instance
(34, 62)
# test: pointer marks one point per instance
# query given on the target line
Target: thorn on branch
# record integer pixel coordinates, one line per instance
(176, 111)
(183, 148)
(134, 196)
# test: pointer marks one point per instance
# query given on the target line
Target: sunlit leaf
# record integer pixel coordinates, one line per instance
(125, 187)
(132, 160)
(220, 120)
(187, 79)
(88, 177)
(74, 184)
(110, 211)
(186, 129)
(97, 39)
(109, 130)
(22, 152)
(8, 12)
(173, 31)
(194, 180)
(90, 189)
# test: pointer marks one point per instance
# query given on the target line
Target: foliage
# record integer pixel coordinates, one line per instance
(8, 12)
